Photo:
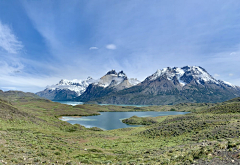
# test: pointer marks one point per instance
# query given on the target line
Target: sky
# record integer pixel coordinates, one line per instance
(42, 42)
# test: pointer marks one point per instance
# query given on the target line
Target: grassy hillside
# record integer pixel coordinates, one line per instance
(30, 132)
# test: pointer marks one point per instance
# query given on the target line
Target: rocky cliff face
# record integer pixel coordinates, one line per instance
(109, 83)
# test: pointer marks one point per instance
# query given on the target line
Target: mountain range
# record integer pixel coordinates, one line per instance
(165, 86)
(67, 90)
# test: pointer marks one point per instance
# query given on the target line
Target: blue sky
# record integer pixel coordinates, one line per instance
(44, 41)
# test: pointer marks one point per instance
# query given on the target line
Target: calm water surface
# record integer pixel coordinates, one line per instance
(69, 102)
(78, 103)
(113, 120)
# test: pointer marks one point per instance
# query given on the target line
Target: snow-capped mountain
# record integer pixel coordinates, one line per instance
(78, 86)
(109, 83)
(66, 89)
(134, 81)
(116, 80)
(186, 74)
(165, 86)
(70, 89)
(172, 86)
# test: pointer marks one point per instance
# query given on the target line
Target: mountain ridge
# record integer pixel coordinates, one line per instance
(165, 86)
(171, 86)
(66, 90)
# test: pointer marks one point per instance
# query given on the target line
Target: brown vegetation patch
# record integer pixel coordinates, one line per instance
(112, 138)
(83, 141)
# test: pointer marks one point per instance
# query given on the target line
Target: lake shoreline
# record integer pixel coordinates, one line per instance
(113, 120)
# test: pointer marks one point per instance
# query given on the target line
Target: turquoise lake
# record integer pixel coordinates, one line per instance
(113, 120)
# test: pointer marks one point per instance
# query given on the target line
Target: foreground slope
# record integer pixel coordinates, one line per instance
(31, 133)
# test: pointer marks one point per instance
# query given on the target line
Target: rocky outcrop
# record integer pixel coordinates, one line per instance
(109, 83)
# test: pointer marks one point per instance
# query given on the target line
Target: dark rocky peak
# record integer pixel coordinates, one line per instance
(194, 70)
(121, 74)
(112, 72)
(89, 78)
(61, 82)
(186, 68)
(168, 70)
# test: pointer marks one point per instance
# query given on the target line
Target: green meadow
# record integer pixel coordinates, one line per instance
(31, 133)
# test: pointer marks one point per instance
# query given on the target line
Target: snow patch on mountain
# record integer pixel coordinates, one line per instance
(227, 83)
(188, 72)
(134, 81)
(200, 74)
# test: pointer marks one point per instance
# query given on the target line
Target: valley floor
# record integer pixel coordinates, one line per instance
(31, 133)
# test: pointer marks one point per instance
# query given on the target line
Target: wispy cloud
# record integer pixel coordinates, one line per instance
(8, 68)
(111, 46)
(230, 74)
(232, 53)
(26, 82)
(8, 41)
(124, 35)
(93, 48)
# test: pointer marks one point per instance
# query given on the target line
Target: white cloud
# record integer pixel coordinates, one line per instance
(111, 46)
(93, 48)
(8, 41)
(216, 75)
(230, 74)
(26, 82)
(14, 77)
(232, 53)
(10, 68)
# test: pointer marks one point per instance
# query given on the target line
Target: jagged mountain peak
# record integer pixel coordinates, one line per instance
(67, 82)
(114, 73)
(185, 75)
(111, 72)
(112, 78)
(89, 78)
(121, 74)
